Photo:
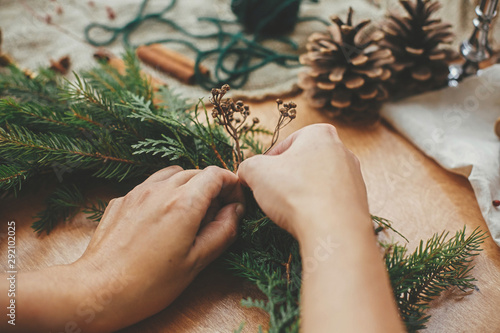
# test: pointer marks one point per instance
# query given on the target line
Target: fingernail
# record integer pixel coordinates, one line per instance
(240, 210)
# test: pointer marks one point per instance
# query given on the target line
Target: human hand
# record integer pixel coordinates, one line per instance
(306, 180)
(311, 185)
(157, 238)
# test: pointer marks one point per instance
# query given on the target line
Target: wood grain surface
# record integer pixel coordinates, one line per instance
(403, 185)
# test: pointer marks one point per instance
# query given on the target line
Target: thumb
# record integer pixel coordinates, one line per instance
(216, 236)
(250, 170)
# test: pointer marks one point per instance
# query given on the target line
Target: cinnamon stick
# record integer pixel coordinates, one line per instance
(188, 62)
(169, 62)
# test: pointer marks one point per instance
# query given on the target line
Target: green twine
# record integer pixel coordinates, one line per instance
(237, 55)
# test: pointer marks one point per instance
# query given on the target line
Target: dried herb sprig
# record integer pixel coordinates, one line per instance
(288, 112)
(233, 115)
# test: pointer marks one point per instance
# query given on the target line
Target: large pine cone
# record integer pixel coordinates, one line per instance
(416, 40)
(348, 70)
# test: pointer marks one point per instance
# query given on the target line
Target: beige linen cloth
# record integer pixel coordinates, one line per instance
(33, 42)
(455, 127)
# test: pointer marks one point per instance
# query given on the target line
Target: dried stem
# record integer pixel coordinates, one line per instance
(233, 116)
(288, 112)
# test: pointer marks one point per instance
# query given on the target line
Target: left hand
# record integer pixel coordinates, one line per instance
(148, 247)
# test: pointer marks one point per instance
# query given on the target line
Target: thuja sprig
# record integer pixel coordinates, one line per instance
(233, 116)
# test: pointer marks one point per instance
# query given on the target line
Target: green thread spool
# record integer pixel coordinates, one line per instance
(267, 17)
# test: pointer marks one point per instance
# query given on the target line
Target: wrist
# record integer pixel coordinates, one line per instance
(334, 230)
(100, 304)
(49, 298)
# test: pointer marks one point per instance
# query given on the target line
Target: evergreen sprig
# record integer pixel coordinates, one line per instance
(107, 125)
(436, 265)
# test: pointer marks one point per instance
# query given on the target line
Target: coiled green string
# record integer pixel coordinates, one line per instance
(249, 53)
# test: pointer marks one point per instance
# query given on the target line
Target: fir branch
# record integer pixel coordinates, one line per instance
(37, 117)
(12, 176)
(95, 210)
(61, 205)
(51, 149)
(383, 224)
(42, 89)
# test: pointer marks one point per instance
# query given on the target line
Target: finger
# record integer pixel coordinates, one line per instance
(217, 235)
(163, 174)
(302, 138)
(251, 168)
(283, 146)
(211, 183)
(181, 178)
(214, 182)
(211, 213)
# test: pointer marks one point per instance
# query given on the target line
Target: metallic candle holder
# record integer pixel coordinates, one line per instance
(477, 48)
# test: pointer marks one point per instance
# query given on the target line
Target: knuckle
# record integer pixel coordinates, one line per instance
(213, 169)
(138, 194)
(179, 200)
(114, 201)
(174, 168)
(326, 129)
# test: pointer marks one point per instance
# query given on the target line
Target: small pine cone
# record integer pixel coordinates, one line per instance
(347, 70)
(416, 40)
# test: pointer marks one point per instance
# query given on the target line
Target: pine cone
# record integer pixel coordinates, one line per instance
(416, 41)
(347, 70)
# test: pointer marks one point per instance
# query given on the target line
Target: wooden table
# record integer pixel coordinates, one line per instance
(405, 186)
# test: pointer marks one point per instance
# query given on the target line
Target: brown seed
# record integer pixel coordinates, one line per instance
(496, 203)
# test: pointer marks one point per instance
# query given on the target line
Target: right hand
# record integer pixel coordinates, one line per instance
(309, 183)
